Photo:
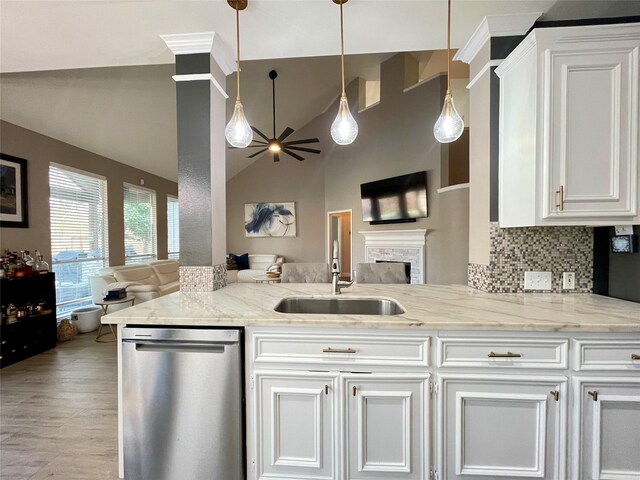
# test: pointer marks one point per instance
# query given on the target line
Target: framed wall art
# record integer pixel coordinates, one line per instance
(270, 219)
(14, 211)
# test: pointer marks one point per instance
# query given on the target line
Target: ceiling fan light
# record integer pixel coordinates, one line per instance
(238, 131)
(344, 128)
(449, 125)
(274, 147)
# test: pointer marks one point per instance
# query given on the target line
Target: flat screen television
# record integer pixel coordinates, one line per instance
(396, 199)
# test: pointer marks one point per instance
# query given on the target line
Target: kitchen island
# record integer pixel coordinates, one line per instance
(429, 307)
(463, 384)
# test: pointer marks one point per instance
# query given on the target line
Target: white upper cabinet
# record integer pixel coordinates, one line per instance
(569, 136)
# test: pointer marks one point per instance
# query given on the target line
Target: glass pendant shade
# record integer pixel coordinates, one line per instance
(238, 131)
(449, 126)
(344, 128)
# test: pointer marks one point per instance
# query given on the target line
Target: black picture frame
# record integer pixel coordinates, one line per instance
(14, 194)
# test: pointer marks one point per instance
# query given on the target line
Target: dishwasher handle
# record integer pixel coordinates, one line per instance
(165, 346)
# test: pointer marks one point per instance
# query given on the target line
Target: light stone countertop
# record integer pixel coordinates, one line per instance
(430, 307)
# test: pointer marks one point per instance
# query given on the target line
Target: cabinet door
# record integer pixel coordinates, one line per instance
(387, 424)
(503, 427)
(591, 128)
(295, 422)
(607, 447)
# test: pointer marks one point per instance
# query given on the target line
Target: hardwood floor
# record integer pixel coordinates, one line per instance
(58, 414)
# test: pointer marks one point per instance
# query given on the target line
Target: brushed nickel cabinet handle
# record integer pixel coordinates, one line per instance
(338, 350)
(560, 193)
(635, 356)
(355, 389)
(594, 394)
(555, 394)
(503, 355)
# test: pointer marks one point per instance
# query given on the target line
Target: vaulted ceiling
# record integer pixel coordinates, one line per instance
(96, 74)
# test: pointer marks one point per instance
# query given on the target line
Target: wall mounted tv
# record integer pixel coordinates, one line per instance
(395, 200)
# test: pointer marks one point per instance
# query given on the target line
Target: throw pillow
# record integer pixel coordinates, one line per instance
(232, 263)
(242, 261)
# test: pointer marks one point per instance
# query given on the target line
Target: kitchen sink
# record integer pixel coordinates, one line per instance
(339, 306)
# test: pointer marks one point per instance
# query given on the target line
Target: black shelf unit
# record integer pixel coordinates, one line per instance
(32, 334)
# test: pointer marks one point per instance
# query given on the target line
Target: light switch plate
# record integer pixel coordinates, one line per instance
(569, 280)
(537, 280)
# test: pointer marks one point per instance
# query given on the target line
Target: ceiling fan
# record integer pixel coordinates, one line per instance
(277, 145)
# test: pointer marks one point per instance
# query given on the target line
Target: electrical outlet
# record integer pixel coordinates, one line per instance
(537, 280)
(569, 281)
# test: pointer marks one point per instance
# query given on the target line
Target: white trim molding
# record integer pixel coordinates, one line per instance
(496, 26)
(458, 186)
(202, 42)
(200, 76)
(398, 245)
(188, 43)
(483, 70)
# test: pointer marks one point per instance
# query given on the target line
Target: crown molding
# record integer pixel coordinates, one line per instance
(203, 42)
(224, 55)
(188, 43)
(495, 26)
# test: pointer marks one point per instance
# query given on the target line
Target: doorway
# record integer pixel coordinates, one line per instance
(339, 228)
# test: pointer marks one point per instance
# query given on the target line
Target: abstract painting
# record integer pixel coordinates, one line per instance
(13, 192)
(270, 219)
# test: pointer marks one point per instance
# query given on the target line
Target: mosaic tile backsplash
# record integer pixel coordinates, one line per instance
(540, 249)
(203, 279)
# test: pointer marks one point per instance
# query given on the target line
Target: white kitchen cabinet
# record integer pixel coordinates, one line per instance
(503, 426)
(296, 425)
(386, 427)
(569, 141)
(606, 428)
(329, 404)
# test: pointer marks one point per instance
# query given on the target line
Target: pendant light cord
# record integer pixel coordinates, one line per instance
(273, 102)
(237, 54)
(449, 47)
(344, 94)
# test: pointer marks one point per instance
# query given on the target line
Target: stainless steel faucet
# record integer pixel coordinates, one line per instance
(336, 284)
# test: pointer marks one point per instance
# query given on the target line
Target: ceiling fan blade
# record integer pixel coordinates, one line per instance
(294, 155)
(276, 157)
(264, 144)
(306, 140)
(287, 131)
(302, 149)
(257, 153)
(260, 133)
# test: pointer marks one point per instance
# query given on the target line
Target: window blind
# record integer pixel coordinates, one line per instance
(140, 240)
(79, 236)
(173, 229)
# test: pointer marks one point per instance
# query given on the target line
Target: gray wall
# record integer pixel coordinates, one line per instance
(288, 180)
(39, 151)
(395, 138)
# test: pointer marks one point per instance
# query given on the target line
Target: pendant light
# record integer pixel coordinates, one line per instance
(238, 131)
(344, 128)
(449, 125)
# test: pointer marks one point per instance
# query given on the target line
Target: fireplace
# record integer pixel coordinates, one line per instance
(407, 267)
(405, 246)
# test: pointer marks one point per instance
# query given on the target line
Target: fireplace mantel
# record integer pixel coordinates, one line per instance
(398, 245)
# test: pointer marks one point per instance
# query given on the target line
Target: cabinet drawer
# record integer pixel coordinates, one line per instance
(503, 352)
(607, 354)
(386, 350)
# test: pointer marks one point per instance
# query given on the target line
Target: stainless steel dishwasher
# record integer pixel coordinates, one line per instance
(182, 404)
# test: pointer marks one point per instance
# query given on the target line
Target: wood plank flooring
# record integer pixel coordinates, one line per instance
(58, 414)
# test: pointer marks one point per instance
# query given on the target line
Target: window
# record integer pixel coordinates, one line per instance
(79, 241)
(173, 229)
(140, 245)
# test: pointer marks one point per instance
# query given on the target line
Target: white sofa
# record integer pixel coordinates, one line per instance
(258, 265)
(144, 281)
